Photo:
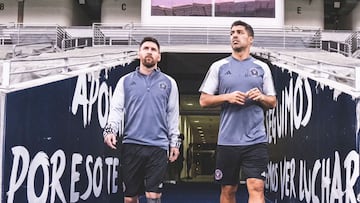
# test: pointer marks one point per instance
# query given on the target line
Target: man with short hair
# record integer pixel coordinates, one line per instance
(147, 101)
(243, 86)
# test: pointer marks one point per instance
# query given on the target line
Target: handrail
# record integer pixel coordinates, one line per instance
(61, 35)
(98, 36)
(19, 32)
(60, 65)
(174, 35)
(318, 68)
(15, 46)
(132, 34)
(353, 40)
(343, 48)
(75, 42)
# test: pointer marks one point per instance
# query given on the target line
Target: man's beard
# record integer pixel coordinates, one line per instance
(148, 63)
(238, 49)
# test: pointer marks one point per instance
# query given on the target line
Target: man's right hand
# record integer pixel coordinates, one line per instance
(110, 140)
(237, 97)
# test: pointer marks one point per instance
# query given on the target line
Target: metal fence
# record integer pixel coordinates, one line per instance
(18, 71)
(131, 34)
(108, 34)
(346, 76)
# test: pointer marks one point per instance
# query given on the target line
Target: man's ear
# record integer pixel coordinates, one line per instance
(159, 57)
(251, 39)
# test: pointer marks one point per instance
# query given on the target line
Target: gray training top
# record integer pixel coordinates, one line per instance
(149, 106)
(239, 124)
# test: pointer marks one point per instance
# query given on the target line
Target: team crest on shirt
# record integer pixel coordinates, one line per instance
(218, 174)
(254, 72)
(162, 85)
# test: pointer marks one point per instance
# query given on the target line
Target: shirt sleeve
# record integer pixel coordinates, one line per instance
(268, 87)
(115, 123)
(210, 84)
(173, 115)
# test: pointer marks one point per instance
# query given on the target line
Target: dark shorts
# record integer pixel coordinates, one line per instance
(143, 169)
(252, 160)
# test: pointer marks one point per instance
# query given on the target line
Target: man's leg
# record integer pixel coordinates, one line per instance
(228, 193)
(155, 170)
(256, 190)
(255, 167)
(153, 197)
(153, 200)
(131, 199)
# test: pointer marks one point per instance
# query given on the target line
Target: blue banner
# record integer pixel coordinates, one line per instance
(54, 149)
(313, 142)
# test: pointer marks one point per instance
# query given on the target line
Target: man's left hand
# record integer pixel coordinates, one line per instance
(174, 153)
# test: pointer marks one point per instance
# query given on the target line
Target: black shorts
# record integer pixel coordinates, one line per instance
(252, 160)
(143, 169)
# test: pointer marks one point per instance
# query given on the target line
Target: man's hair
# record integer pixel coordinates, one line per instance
(150, 39)
(248, 27)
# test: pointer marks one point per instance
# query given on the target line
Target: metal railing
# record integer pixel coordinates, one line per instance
(21, 70)
(347, 76)
(354, 41)
(98, 36)
(28, 33)
(343, 48)
(348, 46)
(61, 35)
(132, 34)
(15, 34)
(75, 42)
(15, 52)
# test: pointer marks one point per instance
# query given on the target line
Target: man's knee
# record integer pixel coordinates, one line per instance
(229, 190)
(255, 185)
(131, 199)
(153, 200)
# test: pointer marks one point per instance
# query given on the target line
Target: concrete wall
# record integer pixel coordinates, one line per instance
(299, 13)
(345, 21)
(59, 12)
(9, 12)
(304, 14)
(65, 12)
(48, 12)
(121, 11)
(356, 18)
(79, 16)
